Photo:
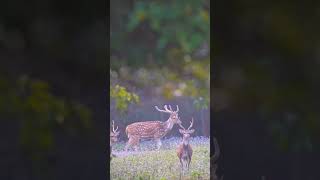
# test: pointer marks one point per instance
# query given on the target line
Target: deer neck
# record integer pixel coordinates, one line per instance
(168, 124)
(185, 141)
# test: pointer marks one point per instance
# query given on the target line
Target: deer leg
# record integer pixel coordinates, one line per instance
(184, 167)
(181, 165)
(181, 170)
(132, 142)
(126, 147)
(186, 164)
(189, 160)
(136, 148)
(158, 144)
(129, 143)
(136, 143)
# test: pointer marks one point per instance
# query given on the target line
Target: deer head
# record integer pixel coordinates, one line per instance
(174, 118)
(114, 134)
(186, 132)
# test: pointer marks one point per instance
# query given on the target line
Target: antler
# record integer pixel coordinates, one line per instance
(166, 110)
(191, 124)
(180, 124)
(175, 110)
(187, 130)
(114, 130)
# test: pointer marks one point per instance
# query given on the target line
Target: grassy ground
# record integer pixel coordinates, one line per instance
(163, 164)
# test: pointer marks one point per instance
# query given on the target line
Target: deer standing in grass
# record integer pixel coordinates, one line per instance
(151, 129)
(113, 137)
(184, 150)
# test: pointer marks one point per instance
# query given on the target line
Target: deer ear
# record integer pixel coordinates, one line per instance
(181, 131)
(191, 131)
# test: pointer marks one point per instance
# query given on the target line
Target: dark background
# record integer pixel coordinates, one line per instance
(53, 85)
(265, 67)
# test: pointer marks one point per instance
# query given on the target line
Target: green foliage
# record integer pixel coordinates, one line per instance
(195, 175)
(40, 113)
(162, 60)
(42, 110)
(171, 84)
(144, 176)
(201, 103)
(184, 23)
(122, 97)
(83, 113)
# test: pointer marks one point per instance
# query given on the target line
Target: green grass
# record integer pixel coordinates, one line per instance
(163, 164)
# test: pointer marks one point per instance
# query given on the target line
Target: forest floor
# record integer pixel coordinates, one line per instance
(163, 164)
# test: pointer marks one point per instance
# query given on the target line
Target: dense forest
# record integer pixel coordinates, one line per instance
(160, 54)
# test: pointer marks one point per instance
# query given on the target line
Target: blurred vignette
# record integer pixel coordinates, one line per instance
(265, 88)
(52, 82)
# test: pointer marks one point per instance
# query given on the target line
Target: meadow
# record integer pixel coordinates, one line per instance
(164, 164)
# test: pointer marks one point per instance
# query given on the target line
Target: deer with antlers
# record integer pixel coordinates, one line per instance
(113, 137)
(184, 150)
(151, 129)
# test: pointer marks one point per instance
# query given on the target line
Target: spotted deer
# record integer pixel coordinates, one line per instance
(113, 137)
(184, 150)
(151, 129)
